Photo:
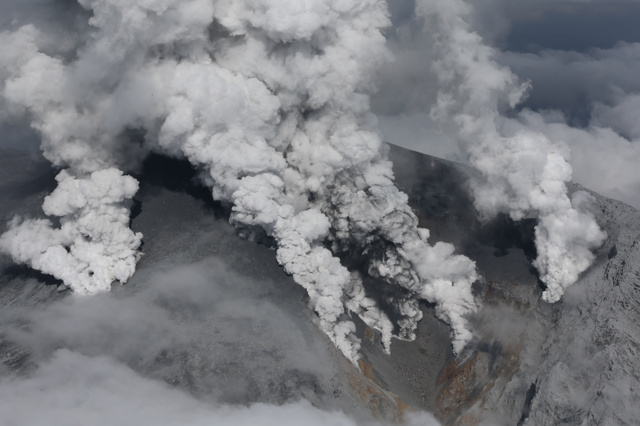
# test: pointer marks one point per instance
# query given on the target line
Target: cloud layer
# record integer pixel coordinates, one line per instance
(72, 389)
(186, 344)
(588, 100)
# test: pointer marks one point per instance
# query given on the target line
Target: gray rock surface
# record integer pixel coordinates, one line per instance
(214, 315)
(207, 312)
(590, 369)
(575, 362)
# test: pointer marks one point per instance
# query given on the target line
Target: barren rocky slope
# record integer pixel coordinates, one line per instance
(575, 362)
(214, 315)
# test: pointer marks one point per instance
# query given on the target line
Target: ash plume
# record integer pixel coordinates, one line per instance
(269, 100)
(522, 172)
(93, 245)
(599, 90)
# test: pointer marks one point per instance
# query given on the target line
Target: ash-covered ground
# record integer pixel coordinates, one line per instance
(210, 324)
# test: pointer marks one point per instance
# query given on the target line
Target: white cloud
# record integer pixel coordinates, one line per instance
(217, 336)
(72, 389)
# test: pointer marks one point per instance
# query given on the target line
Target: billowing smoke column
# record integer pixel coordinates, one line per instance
(523, 172)
(94, 245)
(269, 99)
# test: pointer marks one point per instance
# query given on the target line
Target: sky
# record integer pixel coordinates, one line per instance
(581, 58)
(283, 108)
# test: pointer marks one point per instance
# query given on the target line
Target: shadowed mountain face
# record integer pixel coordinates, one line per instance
(573, 362)
(214, 316)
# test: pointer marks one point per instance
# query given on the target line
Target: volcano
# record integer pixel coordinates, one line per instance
(210, 323)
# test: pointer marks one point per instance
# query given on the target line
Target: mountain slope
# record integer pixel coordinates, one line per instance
(215, 316)
(573, 362)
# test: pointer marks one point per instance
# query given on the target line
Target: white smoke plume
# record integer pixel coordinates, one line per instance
(94, 245)
(601, 88)
(270, 100)
(523, 172)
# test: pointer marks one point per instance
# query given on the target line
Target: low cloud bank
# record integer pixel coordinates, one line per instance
(236, 350)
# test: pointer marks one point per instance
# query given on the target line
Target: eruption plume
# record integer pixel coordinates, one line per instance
(269, 99)
(94, 245)
(523, 172)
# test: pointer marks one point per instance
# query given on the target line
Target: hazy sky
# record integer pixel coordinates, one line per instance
(582, 59)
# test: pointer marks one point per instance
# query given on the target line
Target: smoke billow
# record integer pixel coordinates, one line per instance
(589, 100)
(523, 172)
(269, 100)
(94, 245)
